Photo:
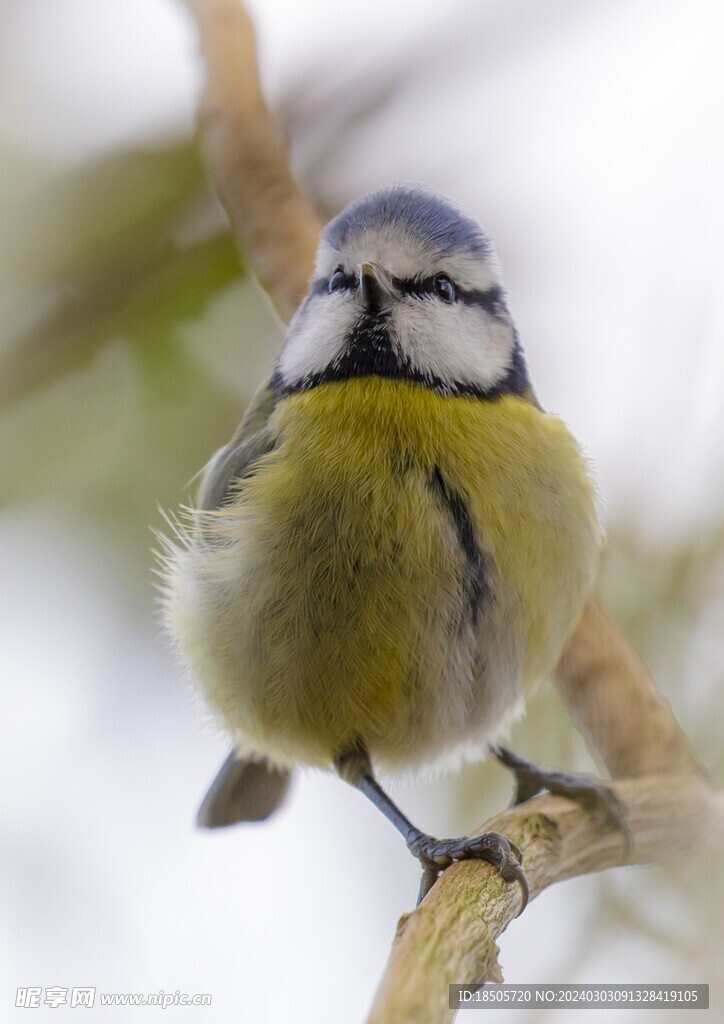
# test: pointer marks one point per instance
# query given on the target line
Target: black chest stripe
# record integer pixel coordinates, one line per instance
(476, 578)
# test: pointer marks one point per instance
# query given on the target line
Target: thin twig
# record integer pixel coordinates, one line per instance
(244, 149)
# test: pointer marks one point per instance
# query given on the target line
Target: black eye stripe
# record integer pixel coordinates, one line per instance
(340, 280)
(419, 286)
(320, 286)
(492, 300)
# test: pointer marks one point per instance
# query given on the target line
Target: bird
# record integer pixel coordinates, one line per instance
(397, 541)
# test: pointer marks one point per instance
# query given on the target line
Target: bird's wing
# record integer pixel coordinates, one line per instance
(251, 440)
(243, 790)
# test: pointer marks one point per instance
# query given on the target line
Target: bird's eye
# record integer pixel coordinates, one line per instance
(444, 288)
(337, 280)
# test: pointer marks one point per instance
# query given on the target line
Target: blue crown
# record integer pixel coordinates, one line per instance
(423, 214)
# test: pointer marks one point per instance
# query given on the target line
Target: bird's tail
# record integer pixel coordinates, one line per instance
(243, 790)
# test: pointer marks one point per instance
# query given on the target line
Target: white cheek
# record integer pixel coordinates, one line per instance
(316, 336)
(456, 343)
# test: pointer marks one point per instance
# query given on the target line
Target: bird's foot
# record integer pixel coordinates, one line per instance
(437, 854)
(594, 796)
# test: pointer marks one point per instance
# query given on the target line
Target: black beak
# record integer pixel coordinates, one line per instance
(376, 290)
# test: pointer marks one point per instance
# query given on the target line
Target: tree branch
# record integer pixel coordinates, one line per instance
(614, 701)
(452, 936)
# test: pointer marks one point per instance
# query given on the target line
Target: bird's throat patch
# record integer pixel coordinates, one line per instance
(370, 350)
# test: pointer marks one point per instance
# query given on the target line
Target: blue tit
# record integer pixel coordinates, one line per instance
(397, 541)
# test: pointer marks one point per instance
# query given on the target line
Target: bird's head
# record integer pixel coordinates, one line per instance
(405, 286)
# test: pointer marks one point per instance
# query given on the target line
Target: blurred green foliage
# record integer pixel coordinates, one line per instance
(110, 390)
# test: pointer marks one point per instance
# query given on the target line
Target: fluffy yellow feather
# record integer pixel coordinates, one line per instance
(322, 603)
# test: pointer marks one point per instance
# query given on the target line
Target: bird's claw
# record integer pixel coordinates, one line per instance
(595, 797)
(437, 854)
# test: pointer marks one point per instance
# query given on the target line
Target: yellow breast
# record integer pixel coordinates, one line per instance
(336, 611)
(519, 470)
